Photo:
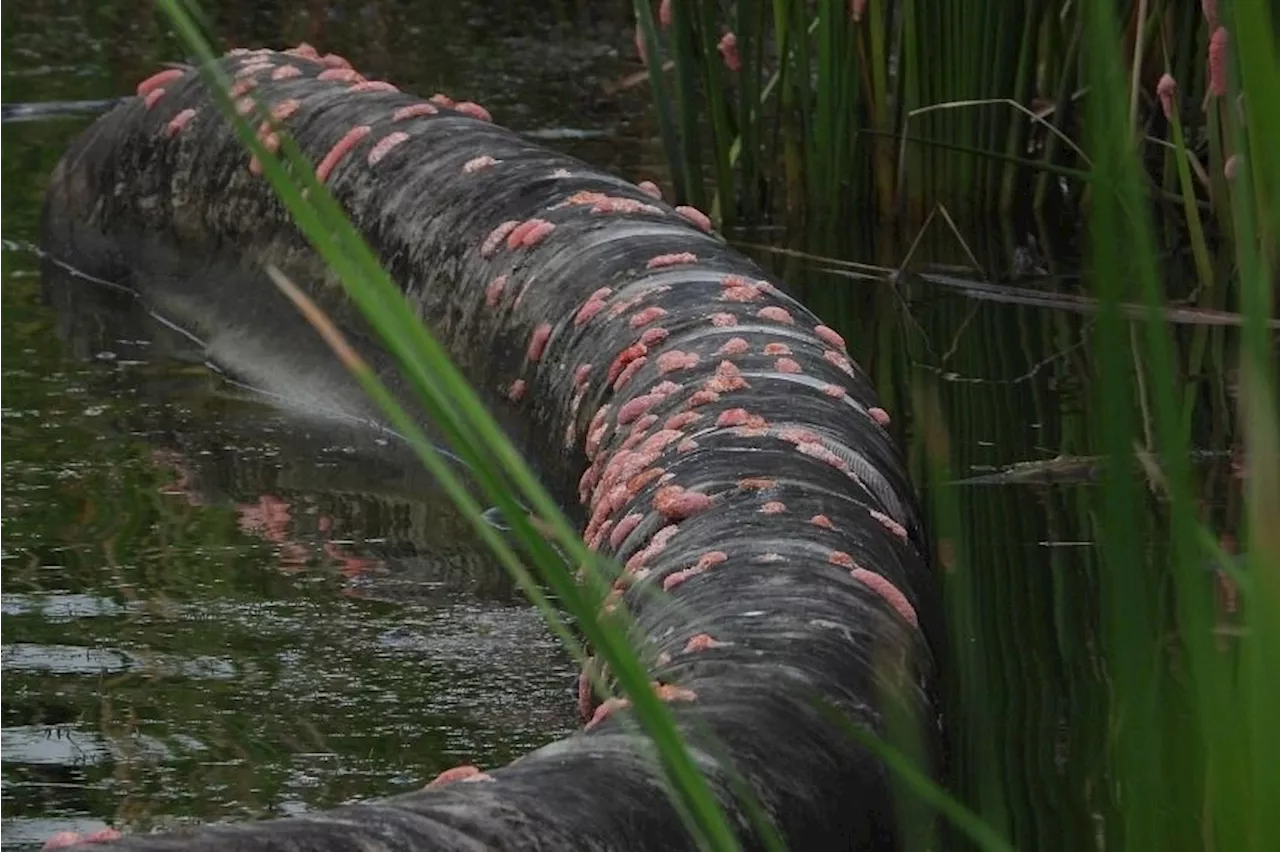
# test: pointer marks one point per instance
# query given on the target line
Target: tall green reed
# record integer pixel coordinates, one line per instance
(1211, 762)
(988, 107)
(841, 109)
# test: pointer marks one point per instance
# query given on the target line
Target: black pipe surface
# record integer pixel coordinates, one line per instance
(708, 431)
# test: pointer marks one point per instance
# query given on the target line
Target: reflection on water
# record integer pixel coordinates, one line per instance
(214, 610)
(76, 660)
(57, 607)
(1012, 382)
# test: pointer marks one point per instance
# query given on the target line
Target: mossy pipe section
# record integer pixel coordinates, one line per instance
(707, 430)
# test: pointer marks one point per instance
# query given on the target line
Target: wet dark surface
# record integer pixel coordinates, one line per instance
(215, 611)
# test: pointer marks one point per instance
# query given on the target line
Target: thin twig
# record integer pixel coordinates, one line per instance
(942, 208)
(915, 243)
(1036, 117)
(1196, 165)
(870, 270)
(1136, 72)
(636, 78)
(319, 321)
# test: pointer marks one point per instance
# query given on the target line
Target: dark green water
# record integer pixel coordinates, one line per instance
(212, 611)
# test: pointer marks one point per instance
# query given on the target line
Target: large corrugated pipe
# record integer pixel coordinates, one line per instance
(708, 431)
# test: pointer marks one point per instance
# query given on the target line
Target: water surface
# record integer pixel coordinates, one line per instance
(213, 609)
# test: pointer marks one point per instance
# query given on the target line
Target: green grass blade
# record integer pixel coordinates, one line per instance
(458, 412)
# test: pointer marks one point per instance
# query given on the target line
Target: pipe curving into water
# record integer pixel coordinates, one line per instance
(705, 429)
